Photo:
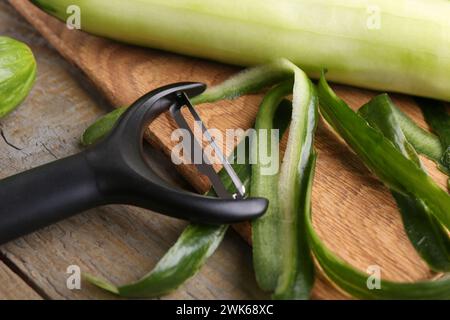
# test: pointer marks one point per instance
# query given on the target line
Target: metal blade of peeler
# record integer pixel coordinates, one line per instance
(206, 168)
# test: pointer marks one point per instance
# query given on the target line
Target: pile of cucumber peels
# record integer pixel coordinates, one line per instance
(385, 139)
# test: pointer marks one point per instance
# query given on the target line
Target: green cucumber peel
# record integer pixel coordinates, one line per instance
(423, 141)
(381, 156)
(435, 148)
(265, 230)
(426, 234)
(368, 143)
(100, 128)
(355, 282)
(437, 116)
(290, 273)
(297, 274)
(180, 263)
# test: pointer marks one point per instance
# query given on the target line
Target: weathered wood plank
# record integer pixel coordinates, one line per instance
(13, 287)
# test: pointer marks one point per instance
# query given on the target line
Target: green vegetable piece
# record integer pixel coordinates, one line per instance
(181, 262)
(290, 273)
(423, 141)
(17, 73)
(100, 128)
(426, 234)
(297, 273)
(265, 230)
(356, 282)
(380, 155)
(437, 116)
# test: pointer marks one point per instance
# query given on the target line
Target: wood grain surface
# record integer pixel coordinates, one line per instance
(13, 287)
(353, 212)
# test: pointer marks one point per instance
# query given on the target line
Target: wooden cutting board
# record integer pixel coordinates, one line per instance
(353, 212)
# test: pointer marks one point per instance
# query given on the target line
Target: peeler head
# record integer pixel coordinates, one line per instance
(125, 177)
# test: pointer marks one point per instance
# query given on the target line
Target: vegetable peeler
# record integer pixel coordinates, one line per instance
(114, 171)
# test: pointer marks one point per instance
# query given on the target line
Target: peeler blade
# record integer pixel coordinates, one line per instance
(205, 167)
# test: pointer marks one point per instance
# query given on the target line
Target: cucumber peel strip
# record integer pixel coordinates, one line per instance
(368, 143)
(381, 156)
(297, 273)
(291, 273)
(426, 234)
(181, 262)
(355, 282)
(437, 117)
(423, 141)
(265, 230)
(101, 127)
(435, 148)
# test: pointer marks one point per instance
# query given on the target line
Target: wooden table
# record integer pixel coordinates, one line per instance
(116, 242)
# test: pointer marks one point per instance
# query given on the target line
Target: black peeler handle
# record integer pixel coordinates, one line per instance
(44, 195)
(113, 171)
